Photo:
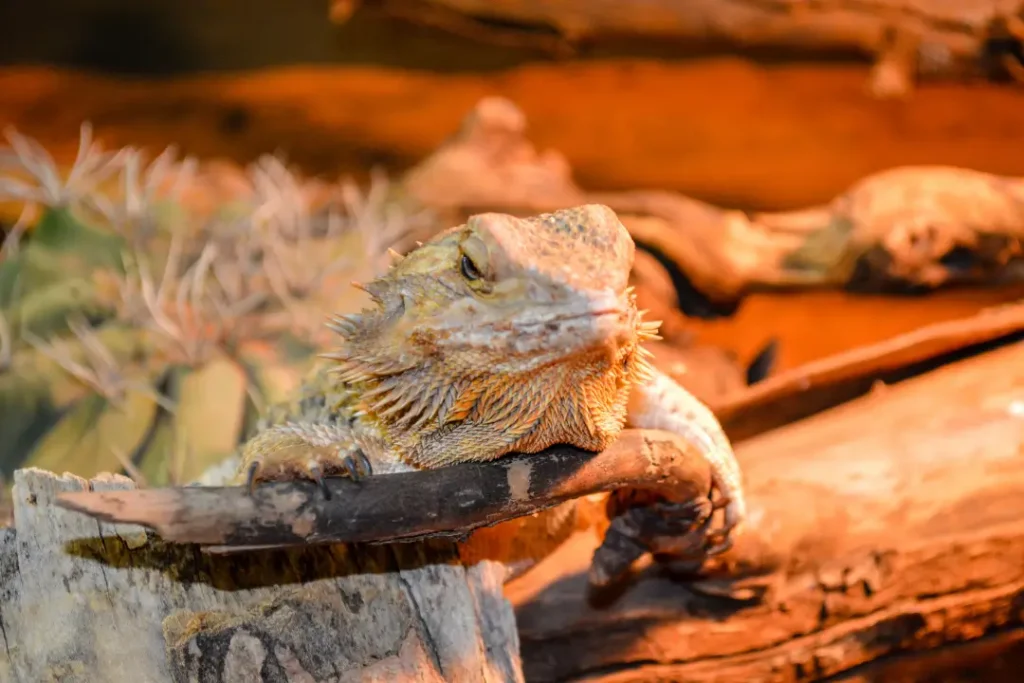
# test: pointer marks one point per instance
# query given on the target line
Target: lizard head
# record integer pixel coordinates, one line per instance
(506, 296)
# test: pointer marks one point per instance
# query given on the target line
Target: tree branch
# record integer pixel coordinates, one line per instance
(414, 506)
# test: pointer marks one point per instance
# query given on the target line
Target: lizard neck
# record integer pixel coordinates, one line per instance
(579, 404)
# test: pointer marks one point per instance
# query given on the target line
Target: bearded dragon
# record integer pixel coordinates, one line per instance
(502, 335)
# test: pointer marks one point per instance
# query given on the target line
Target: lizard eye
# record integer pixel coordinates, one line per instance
(469, 269)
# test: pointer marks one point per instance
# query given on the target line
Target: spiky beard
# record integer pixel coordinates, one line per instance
(404, 392)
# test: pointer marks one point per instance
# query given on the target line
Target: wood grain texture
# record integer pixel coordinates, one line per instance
(723, 130)
(908, 38)
(84, 601)
(887, 526)
(450, 501)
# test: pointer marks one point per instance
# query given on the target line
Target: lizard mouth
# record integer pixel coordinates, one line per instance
(538, 329)
(555, 331)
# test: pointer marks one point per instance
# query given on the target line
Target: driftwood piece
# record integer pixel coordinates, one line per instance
(888, 526)
(904, 38)
(438, 503)
(660, 487)
(908, 228)
(809, 388)
(91, 602)
(684, 126)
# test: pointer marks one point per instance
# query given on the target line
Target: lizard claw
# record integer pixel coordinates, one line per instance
(719, 540)
(357, 466)
(686, 529)
(281, 454)
(318, 476)
(250, 476)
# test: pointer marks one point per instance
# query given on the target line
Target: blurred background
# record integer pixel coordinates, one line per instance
(339, 113)
(187, 188)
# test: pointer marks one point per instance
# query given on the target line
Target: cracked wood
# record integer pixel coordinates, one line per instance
(887, 526)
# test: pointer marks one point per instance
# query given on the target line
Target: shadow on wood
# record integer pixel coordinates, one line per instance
(890, 525)
(85, 601)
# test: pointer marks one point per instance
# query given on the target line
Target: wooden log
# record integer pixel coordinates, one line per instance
(888, 526)
(829, 381)
(908, 228)
(87, 602)
(926, 38)
(439, 503)
(679, 126)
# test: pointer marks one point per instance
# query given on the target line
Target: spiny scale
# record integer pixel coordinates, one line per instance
(344, 325)
(647, 330)
(368, 287)
(346, 371)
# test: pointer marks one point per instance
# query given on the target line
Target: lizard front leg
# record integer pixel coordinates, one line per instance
(661, 403)
(302, 450)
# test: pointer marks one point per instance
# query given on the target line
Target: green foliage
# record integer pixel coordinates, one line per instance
(50, 278)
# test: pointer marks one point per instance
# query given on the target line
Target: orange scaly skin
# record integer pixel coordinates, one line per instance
(503, 335)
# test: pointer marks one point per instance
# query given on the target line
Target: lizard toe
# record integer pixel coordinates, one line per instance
(357, 465)
(252, 476)
(317, 475)
(260, 470)
(311, 464)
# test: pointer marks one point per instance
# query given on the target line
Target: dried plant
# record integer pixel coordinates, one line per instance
(41, 182)
(100, 370)
(296, 258)
(130, 469)
(6, 344)
(212, 258)
(177, 307)
(380, 222)
(173, 467)
(139, 188)
(9, 250)
(238, 272)
(11, 244)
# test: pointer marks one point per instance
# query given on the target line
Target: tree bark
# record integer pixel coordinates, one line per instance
(906, 228)
(411, 506)
(812, 387)
(884, 527)
(888, 526)
(679, 126)
(90, 602)
(906, 38)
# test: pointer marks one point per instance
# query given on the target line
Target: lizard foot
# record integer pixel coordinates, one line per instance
(283, 453)
(719, 540)
(667, 530)
(684, 530)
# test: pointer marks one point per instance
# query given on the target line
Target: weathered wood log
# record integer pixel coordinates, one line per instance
(891, 525)
(440, 503)
(814, 386)
(908, 228)
(90, 602)
(683, 126)
(888, 526)
(905, 39)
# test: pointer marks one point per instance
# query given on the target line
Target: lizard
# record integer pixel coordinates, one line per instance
(502, 335)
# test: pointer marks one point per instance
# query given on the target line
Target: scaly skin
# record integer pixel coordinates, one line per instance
(503, 335)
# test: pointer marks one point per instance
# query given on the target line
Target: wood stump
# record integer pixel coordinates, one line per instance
(85, 601)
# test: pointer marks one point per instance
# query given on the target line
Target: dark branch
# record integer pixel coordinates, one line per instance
(405, 507)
